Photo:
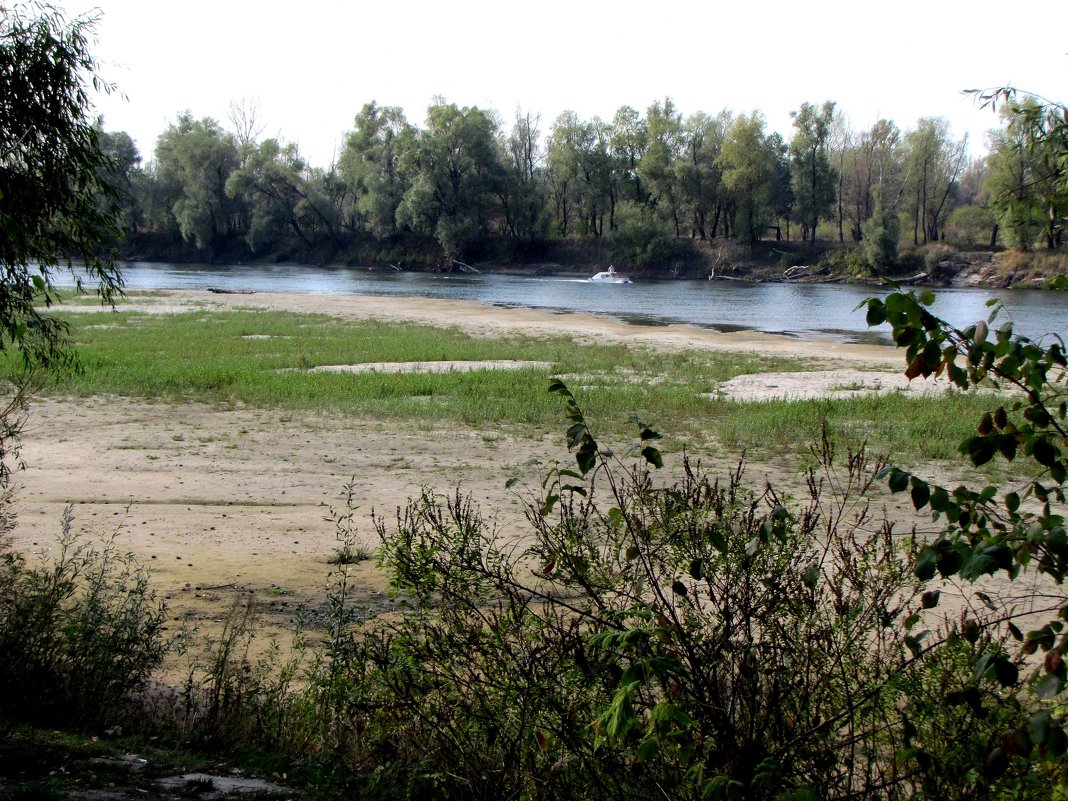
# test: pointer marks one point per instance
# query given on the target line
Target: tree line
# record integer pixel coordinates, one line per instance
(646, 182)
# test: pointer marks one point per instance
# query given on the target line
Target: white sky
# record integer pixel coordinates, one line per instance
(312, 64)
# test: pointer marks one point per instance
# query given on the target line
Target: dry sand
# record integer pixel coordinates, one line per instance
(225, 502)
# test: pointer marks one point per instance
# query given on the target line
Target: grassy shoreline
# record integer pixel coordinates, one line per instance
(261, 358)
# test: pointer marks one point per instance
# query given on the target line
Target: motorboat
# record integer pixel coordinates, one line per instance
(609, 276)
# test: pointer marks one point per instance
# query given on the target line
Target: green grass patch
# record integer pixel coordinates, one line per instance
(260, 358)
(895, 424)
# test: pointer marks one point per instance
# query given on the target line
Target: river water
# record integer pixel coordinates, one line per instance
(803, 310)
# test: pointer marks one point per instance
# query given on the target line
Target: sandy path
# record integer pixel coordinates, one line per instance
(222, 502)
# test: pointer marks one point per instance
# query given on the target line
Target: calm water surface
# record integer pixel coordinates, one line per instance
(792, 309)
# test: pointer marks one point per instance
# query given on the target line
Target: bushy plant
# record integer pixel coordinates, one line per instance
(641, 239)
(241, 695)
(880, 239)
(79, 633)
(1019, 529)
(696, 639)
(971, 226)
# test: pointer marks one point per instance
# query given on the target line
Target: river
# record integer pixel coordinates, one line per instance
(796, 309)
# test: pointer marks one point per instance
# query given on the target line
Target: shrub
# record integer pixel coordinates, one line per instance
(643, 240)
(880, 239)
(699, 639)
(970, 226)
(79, 634)
(1018, 529)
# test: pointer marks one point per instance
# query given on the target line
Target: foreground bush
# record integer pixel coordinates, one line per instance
(695, 640)
(79, 634)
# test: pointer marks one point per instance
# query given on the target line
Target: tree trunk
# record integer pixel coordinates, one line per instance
(841, 205)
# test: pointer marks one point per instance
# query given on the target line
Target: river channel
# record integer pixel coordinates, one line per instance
(796, 309)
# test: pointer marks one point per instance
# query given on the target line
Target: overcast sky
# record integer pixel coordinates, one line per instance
(312, 64)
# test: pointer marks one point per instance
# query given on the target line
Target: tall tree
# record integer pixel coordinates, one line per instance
(455, 174)
(748, 166)
(273, 183)
(562, 169)
(934, 162)
(658, 166)
(699, 174)
(1028, 179)
(194, 160)
(57, 205)
(122, 171)
(629, 141)
(782, 191)
(247, 121)
(370, 165)
(843, 153)
(874, 173)
(522, 197)
(580, 176)
(813, 177)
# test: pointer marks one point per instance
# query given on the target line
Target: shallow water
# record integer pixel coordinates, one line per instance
(792, 309)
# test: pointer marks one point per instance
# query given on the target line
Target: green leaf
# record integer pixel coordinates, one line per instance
(921, 493)
(586, 457)
(940, 500)
(648, 750)
(557, 387)
(1007, 674)
(1039, 726)
(1044, 452)
(1012, 501)
(575, 434)
(980, 449)
(717, 539)
(876, 314)
(652, 456)
(927, 564)
(648, 433)
(697, 569)
(899, 480)
(548, 505)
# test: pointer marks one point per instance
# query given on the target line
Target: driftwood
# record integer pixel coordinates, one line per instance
(218, 291)
(466, 268)
(715, 277)
(913, 279)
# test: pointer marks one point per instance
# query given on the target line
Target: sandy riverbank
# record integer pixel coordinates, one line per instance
(482, 320)
(227, 502)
